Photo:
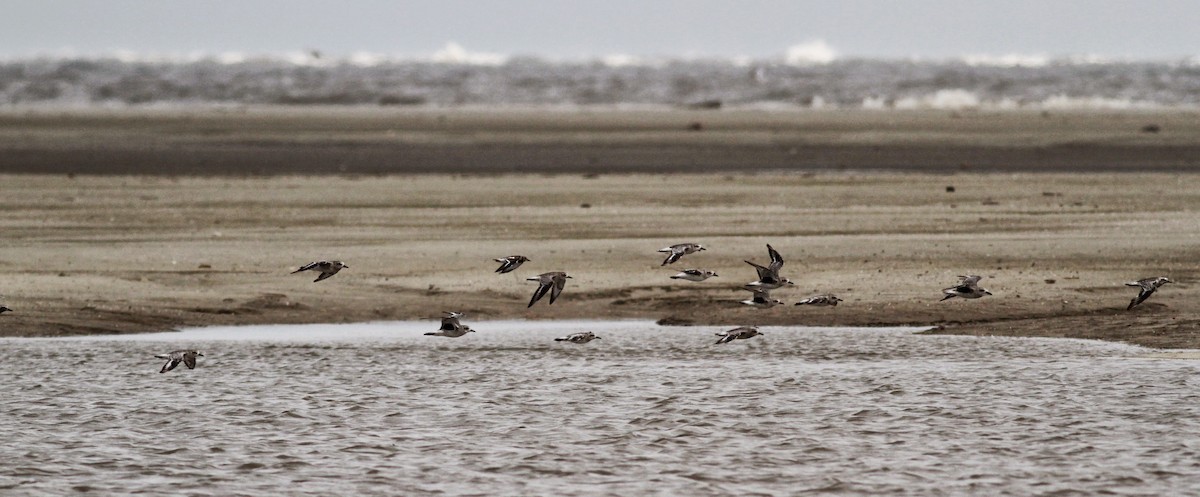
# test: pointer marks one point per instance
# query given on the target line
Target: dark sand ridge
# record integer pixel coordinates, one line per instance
(110, 253)
(273, 141)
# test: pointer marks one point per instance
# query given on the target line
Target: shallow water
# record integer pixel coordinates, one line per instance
(380, 409)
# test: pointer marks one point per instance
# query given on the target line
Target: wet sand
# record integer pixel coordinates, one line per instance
(153, 229)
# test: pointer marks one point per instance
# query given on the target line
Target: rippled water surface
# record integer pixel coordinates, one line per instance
(380, 409)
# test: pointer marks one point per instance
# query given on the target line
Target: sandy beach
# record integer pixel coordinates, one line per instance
(134, 221)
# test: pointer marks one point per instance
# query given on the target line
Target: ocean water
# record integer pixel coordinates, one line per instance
(463, 79)
(380, 409)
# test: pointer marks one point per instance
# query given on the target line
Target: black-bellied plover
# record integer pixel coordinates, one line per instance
(4, 309)
(768, 277)
(820, 300)
(510, 263)
(694, 275)
(187, 357)
(762, 298)
(327, 268)
(679, 250)
(552, 282)
(968, 288)
(1148, 286)
(739, 333)
(451, 327)
(583, 337)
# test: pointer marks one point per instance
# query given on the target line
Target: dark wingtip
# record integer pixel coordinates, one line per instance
(946, 298)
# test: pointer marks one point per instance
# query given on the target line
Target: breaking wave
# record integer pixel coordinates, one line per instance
(807, 75)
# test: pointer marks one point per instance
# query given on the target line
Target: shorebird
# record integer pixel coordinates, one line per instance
(820, 300)
(451, 327)
(737, 333)
(679, 250)
(584, 337)
(768, 277)
(327, 268)
(762, 298)
(1148, 286)
(510, 263)
(4, 309)
(694, 275)
(187, 357)
(968, 288)
(552, 282)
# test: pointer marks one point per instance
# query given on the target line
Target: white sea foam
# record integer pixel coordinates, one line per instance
(950, 98)
(1102, 103)
(625, 60)
(1007, 60)
(453, 53)
(809, 53)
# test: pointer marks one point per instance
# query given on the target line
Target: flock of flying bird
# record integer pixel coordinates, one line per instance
(553, 283)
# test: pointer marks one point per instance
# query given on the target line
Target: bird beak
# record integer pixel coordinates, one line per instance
(987, 292)
(199, 354)
(570, 277)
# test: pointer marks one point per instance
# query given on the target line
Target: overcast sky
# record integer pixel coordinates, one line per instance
(1157, 29)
